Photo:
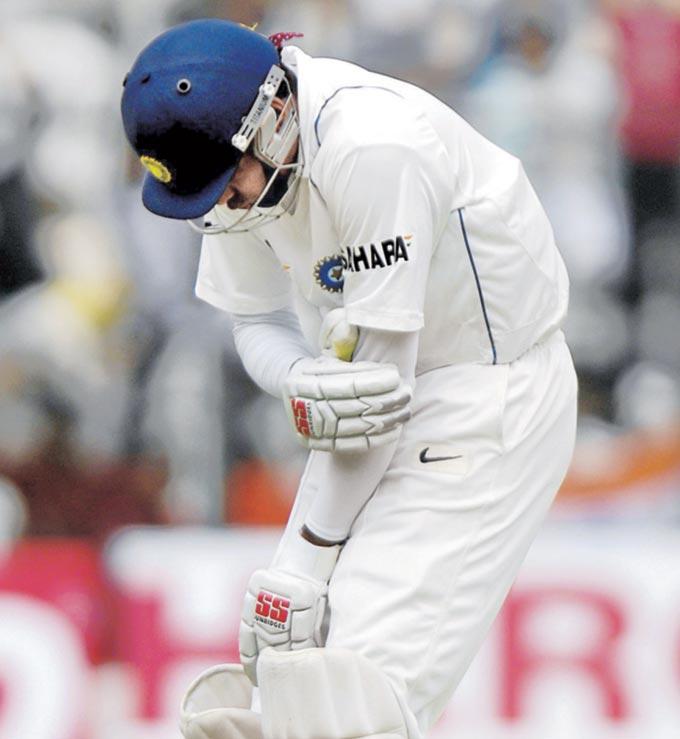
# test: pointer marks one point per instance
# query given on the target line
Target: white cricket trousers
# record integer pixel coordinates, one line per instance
(435, 550)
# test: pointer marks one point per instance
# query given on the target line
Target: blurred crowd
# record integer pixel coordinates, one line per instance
(121, 397)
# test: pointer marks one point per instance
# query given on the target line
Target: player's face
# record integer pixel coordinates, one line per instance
(250, 179)
(246, 186)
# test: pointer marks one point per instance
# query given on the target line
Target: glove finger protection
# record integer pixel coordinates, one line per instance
(355, 444)
(371, 424)
(373, 404)
(318, 393)
(328, 378)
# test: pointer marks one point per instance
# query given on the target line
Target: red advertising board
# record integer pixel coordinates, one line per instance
(587, 645)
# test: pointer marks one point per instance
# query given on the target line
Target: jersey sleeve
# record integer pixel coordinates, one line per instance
(239, 273)
(389, 203)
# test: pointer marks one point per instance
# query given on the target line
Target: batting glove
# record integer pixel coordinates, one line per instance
(337, 406)
(285, 610)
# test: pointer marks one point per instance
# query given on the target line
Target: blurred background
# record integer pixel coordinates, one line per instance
(143, 476)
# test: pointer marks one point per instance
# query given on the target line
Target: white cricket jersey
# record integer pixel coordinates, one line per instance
(406, 216)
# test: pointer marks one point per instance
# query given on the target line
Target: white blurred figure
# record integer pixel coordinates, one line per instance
(54, 339)
(552, 99)
(75, 75)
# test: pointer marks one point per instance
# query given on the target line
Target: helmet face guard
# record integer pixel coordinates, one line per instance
(270, 139)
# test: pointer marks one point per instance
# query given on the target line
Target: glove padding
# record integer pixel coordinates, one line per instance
(346, 407)
(283, 611)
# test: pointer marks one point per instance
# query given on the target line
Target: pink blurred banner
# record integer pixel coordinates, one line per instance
(101, 644)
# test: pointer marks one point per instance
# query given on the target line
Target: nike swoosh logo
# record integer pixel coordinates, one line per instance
(425, 459)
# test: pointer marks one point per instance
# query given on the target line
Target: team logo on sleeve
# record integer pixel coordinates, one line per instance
(377, 256)
(328, 272)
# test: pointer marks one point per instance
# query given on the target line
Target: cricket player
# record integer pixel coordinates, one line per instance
(393, 277)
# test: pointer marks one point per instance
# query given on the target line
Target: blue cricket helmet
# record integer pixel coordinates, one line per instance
(183, 100)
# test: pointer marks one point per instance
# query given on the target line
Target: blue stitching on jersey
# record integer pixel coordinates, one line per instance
(479, 286)
(316, 187)
(346, 87)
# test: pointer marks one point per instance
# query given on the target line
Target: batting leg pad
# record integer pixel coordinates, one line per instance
(326, 694)
(216, 706)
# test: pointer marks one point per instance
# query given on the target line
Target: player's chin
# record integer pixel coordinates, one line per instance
(244, 204)
(235, 209)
